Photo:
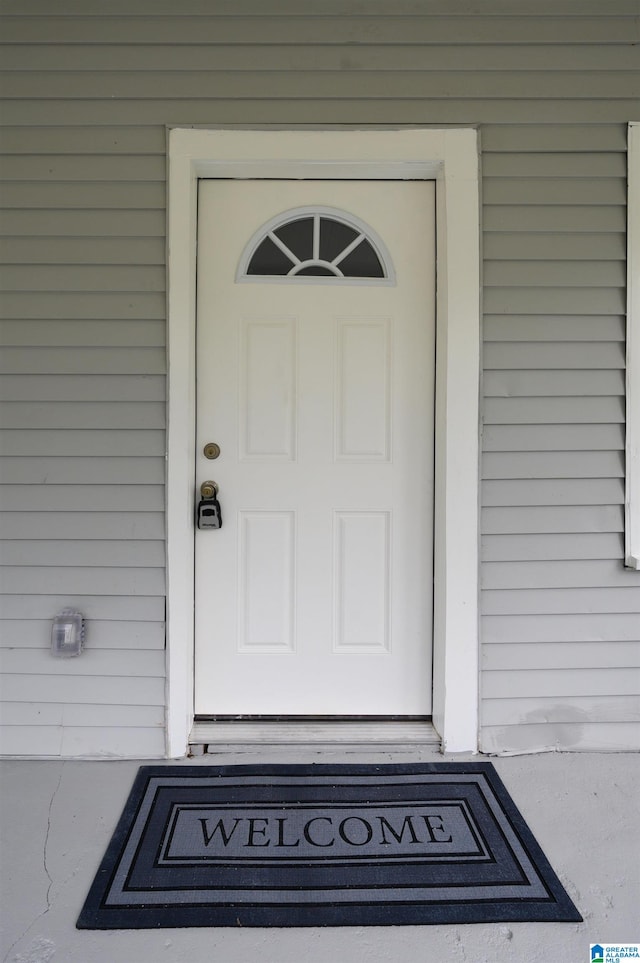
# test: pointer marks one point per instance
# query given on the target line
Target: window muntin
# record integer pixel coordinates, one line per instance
(316, 243)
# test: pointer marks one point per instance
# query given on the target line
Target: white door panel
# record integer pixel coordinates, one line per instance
(315, 596)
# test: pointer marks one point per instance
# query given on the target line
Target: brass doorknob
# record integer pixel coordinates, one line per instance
(209, 489)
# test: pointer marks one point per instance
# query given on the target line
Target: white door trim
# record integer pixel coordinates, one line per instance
(451, 157)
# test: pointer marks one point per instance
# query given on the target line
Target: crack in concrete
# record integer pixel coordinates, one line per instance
(46, 841)
(458, 946)
(45, 866)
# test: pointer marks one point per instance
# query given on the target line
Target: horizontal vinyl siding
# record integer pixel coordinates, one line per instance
(83, 436)
(561, 625)
(87, 99)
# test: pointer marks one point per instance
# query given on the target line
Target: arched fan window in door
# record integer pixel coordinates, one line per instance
(318, 243)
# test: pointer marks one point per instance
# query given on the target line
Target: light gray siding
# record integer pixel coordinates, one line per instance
(561, 626)
(88, 93)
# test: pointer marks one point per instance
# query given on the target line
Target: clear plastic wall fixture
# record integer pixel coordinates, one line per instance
(67, 634)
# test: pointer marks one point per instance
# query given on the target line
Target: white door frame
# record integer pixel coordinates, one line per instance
(451, 157)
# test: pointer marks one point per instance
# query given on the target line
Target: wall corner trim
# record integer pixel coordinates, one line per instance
(632, 461)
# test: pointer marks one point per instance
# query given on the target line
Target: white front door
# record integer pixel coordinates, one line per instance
(315, 596)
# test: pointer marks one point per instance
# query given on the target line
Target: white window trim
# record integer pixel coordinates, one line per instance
(450, 156)
(632, 487)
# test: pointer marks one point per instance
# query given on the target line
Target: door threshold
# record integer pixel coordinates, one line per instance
(207, 733)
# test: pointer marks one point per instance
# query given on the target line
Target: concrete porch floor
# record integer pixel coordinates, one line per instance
(57, 818)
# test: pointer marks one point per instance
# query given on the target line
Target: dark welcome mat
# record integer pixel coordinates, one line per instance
(322, 845)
